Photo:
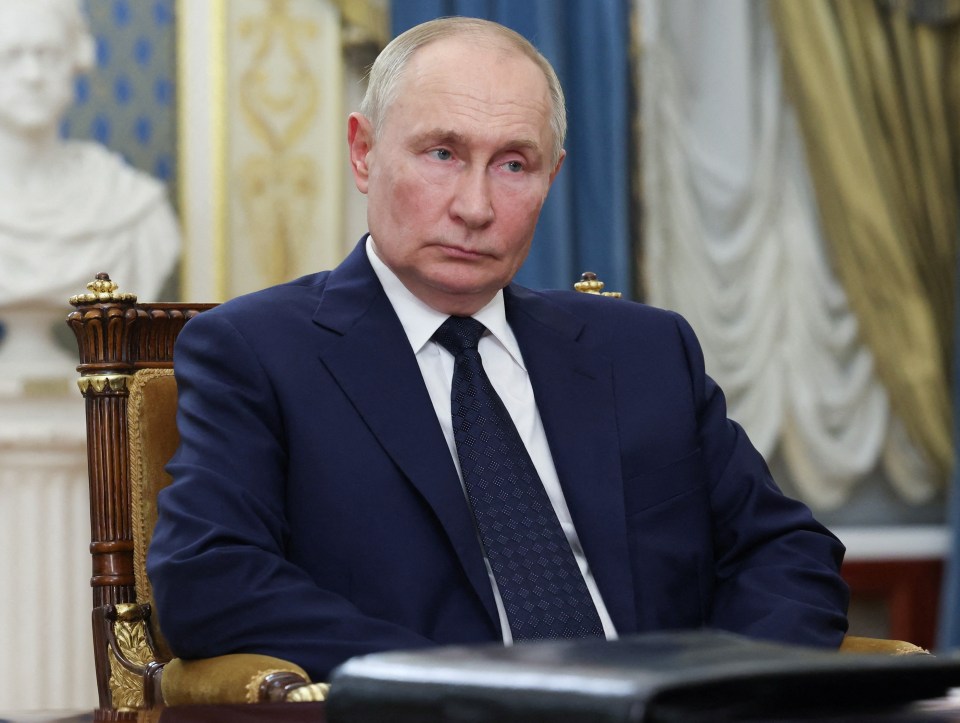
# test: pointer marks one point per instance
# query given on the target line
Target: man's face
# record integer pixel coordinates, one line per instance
(36, 67)
(456, 180)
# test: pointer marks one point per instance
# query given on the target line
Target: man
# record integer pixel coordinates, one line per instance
(324, 504)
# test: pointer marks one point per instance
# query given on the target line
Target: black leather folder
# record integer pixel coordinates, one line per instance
(682, 676)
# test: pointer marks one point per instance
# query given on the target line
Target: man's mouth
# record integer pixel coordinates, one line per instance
(461, 252)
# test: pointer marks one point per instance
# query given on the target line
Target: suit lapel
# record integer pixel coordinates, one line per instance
(573, 387)
(364, 347)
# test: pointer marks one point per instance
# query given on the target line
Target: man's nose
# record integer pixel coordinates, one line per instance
(472, 202)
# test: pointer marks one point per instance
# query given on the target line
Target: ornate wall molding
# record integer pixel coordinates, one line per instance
(266, 193)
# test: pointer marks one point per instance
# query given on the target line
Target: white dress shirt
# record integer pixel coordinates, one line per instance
(504, 366)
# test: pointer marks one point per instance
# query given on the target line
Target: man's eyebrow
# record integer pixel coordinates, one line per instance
(442, 136)
(524, 144)
(439, 135)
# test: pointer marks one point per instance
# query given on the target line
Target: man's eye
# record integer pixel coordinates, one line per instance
(442, 154)
(513, 166)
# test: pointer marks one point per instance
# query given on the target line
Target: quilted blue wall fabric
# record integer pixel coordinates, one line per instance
(128, 102)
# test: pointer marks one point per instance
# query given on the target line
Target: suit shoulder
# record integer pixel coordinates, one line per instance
(262, 317)
(292, 297)
(631, 332)
(617, 315)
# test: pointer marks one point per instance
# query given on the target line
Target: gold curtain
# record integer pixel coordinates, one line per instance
(875, 85)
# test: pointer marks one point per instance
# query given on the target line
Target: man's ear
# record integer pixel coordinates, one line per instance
(556, 169)
(360, 141)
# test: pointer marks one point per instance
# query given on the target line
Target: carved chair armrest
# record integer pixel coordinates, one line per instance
(139, 678)
(879, 646)
(237, 678)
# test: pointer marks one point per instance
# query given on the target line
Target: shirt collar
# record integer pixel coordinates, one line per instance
(420, 321)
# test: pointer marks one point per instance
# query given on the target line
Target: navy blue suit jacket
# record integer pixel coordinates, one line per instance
(316, 512)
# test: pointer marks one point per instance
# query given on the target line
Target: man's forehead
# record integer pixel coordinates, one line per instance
(461, 115)
(490, 48)
(468, 83)
(474, 73)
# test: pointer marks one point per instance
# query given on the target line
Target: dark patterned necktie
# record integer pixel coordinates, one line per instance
(541, 586)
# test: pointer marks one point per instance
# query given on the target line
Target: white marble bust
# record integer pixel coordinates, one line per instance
(68, 209)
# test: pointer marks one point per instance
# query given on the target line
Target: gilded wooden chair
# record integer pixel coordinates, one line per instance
(126, 378)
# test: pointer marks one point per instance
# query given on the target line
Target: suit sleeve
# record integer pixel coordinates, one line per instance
(217, 561)
(776, 568)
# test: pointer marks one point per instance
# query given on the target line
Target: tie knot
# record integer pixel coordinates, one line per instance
(459, 333)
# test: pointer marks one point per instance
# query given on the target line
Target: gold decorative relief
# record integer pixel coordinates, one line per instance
(102, 291)
(279, 97)
(126, 687)
(312, 693)
(590, 284)
(100, 382)
(365, 30)
(129, 654)
(368, 19)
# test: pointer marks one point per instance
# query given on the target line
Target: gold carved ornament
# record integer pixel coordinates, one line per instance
(100, 382)
(130, 654)
(311, 693)
(590, 284)
(102, 291)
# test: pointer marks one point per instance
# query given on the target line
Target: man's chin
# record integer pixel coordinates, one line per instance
(460, 296)
(468, 284)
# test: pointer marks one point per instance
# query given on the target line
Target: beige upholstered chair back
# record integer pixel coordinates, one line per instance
(152, 426)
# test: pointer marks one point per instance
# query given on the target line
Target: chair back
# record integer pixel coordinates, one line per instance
(126, 378)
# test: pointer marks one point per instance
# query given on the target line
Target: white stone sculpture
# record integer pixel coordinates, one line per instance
(68, 209)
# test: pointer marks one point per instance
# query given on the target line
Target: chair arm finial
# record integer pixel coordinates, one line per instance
(590, 284)
(103, 291)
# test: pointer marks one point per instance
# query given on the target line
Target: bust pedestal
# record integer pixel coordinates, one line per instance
(29, 354)
(44, 521)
